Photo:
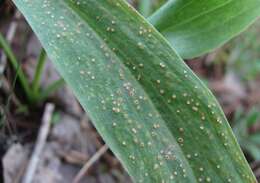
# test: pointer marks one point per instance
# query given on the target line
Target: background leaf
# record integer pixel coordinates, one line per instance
(153, 112)
(196, 27)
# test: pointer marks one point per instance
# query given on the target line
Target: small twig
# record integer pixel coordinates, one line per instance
(90, 162)
(8, 90)
(40, 143)
(7, 106)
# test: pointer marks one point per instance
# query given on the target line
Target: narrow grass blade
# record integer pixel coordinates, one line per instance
(14, 63)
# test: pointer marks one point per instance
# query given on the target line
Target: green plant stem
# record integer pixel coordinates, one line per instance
(145, 7)
(51, 88)
(11, 57)
(38, 73)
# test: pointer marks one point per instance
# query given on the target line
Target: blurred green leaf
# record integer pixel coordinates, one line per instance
(145, 7)
(196, 27)
(256, 139)
(254, 150)
(249, 142)
(244, 54)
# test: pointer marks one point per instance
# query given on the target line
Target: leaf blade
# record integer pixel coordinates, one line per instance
(196, 27)
(101, 50)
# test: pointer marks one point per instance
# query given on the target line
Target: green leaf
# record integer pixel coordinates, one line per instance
(16, 66)
(251, 148)
(255, 138)
(195, 27)
(153, 112)
(145, 7)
